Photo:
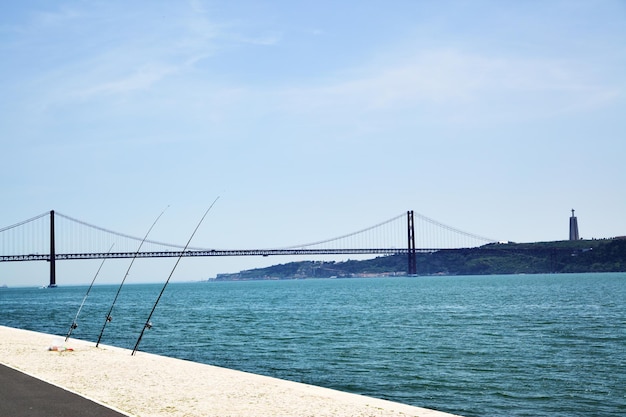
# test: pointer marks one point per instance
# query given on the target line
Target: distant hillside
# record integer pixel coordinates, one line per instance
(606, 255)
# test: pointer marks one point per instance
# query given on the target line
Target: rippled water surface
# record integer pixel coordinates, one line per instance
(534, 345)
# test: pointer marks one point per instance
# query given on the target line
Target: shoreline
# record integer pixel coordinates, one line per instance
(151, 385)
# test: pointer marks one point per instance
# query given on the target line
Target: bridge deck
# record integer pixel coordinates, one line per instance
(212, 252)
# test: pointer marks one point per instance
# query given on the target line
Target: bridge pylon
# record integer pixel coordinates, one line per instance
(53, 278)
(412, 257)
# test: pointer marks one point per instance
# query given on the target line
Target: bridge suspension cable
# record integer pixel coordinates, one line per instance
(123, 235)
(24, 222)
(28, 236)
(349, 235)
(477, 238)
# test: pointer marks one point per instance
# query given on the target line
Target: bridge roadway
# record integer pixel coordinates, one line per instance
(213, 252)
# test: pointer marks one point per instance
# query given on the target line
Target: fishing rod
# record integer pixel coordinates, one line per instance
(108, 317)
(74, 324)
(148, 323)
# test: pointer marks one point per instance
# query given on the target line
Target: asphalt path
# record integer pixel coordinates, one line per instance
(22, 395)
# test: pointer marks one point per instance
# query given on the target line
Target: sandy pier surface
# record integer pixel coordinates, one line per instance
(152, 385)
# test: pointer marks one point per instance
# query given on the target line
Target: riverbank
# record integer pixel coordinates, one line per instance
(579, 256)
(153, 385)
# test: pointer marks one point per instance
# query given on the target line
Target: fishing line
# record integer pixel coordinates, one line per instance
(108, 317)
(74, 324)
(148, 324)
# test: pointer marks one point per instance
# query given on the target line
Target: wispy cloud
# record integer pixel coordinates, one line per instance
(57, 17)
(265, 40)
(454, 79)
(140, 79)
(146, 48)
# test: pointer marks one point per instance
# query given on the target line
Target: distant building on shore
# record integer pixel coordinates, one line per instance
(573, 227)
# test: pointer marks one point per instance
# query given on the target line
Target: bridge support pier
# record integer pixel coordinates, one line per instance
(53, 278)
(412, 258)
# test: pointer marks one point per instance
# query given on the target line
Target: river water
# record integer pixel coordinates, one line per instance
(515, 345)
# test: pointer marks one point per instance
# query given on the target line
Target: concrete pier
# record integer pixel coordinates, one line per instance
(154, 386)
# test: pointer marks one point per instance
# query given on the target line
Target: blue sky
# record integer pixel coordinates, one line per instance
(313, 119)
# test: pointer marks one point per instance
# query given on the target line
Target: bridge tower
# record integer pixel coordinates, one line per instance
(53, 279)
(412, 270)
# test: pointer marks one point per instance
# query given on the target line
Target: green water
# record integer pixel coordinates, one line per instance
(533, 345)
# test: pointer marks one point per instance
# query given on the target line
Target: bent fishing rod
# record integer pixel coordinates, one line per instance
(148, 324)
(108, 317)
(74, 323)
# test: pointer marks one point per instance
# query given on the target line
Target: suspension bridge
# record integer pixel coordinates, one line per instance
(53, 236)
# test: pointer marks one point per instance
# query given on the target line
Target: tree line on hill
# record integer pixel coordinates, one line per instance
(604, 255)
